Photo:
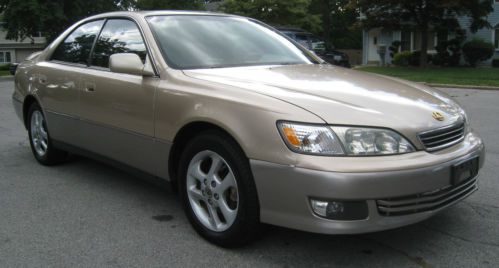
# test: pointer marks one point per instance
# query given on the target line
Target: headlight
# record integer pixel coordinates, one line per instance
(372, 141)
(310, 139)
(352, 141)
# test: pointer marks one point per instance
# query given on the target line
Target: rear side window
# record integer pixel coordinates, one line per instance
(118, 36)
(76, 47)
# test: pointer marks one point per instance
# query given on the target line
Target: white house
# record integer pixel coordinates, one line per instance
(410, 41)
(17, 50)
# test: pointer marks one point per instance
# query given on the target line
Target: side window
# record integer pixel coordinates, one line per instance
(118, 36)
(76, 47)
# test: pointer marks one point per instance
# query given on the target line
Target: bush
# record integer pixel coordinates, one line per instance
(394, 48)
(448, 53)
(495, 63)
(4, 67)
(402, 58)
(415, 58)
(477, 50)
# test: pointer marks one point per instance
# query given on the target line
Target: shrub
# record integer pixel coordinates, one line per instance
(449, 52)
(477, 50)
(402, 58)
(4, 67)
(495, 63)
(394, 48)
(415, 58)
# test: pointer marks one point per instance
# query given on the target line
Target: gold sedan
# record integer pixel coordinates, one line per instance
(250, 126)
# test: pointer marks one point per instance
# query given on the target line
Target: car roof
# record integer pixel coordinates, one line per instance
(145, 13)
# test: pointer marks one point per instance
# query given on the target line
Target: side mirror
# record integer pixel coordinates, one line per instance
(129, 63)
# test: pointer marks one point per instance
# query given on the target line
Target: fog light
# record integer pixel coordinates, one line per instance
(340, 210)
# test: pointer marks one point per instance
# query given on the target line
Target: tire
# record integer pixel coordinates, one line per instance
(39, 138)
(233, 218)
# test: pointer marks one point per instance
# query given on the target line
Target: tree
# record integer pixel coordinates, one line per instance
(170, 4)
(339, 22)
(276, 12)
(424, 16)
(23, 18)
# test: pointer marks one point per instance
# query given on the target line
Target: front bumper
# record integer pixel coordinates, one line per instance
(285, 191)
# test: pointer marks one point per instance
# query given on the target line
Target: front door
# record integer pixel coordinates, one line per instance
(58, 81)
(117, 110)
(374, 36)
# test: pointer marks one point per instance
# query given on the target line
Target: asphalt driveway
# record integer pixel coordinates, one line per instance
(86, 214)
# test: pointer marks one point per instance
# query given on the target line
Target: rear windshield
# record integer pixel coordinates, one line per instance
(199, 41)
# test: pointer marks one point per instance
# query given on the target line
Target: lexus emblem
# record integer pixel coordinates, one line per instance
(438, 116)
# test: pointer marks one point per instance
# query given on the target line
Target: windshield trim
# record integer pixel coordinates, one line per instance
(221, 66)
(314, 59)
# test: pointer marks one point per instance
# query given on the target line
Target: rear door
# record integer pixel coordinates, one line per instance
(117, 110)
(58, 81)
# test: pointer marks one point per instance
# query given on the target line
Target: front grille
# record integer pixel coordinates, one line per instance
(442, 138)
(426, 201)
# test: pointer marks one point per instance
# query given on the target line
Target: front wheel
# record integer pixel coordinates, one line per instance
(218, 191)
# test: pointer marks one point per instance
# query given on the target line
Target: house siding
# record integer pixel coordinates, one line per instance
(20, 49)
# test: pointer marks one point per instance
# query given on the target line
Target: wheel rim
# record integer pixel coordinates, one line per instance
(39, 136)
(212, 191)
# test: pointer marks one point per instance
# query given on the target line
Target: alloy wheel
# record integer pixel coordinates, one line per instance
(212, 191)
(39, 136)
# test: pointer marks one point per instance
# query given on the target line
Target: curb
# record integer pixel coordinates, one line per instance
(6, 77)
(461, 86)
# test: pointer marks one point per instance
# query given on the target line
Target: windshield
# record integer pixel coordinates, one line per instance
(199, 41)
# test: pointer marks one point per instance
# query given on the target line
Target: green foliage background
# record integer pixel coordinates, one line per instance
(335, 21)
(330, 19)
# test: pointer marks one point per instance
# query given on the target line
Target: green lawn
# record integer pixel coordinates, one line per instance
(4, 73)
(449, 76)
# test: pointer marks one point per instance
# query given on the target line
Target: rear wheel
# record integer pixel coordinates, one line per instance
(39, 138)
(218, 191)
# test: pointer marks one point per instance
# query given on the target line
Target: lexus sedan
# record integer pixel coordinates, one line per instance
(248, 126)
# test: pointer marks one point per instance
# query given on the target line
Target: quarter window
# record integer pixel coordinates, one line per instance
(76, 47)
(118, 36)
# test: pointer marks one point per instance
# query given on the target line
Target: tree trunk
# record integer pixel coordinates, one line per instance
(326, 20)
(423, 60)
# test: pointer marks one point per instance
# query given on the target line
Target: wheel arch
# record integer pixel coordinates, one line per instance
(183, 136)
(28, 101)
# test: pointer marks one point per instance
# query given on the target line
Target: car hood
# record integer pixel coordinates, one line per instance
(343, 96)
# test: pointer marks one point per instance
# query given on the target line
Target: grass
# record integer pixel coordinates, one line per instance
(4, 73)
(450, 76)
